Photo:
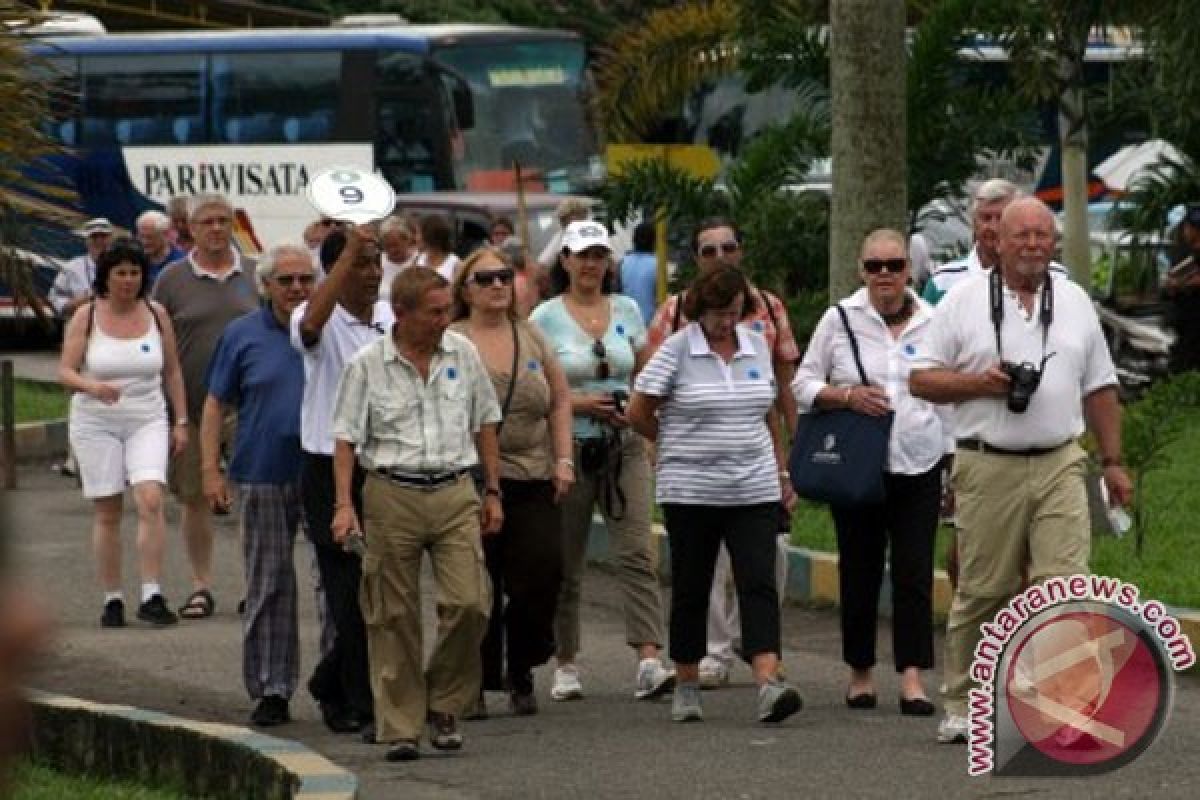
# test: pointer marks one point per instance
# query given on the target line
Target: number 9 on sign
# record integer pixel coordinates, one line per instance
(351, 195)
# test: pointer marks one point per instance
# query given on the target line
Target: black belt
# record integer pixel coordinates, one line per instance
(980, 446)
(427, 481)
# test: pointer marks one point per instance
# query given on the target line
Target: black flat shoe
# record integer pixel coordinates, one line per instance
(861, 702)
(403, 750)
(916, 707)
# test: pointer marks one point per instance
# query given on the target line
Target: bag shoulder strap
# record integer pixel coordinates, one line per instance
(766, 301)
(862, 373)
(153, 315)
(678, 311)
(512, 378)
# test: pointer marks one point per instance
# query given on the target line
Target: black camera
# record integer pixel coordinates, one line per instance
(620, 397)
(1025, 379)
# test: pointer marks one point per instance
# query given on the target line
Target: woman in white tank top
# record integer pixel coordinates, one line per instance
(118, 354)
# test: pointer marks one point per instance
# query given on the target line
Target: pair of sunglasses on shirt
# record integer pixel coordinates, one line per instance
(488, 277)
(874, 266)
(602, 369)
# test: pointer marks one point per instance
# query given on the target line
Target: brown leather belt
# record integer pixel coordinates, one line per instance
(427, 481)
(980, 446)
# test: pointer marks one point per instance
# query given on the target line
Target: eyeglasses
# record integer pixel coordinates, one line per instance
(727, 247)
(602, 369)
(292, 280)
(489, 277)
(874, 266)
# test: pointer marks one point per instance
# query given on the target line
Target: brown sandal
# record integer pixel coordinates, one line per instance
(200, 604)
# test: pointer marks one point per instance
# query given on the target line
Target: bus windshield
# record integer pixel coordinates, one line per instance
(529, 107)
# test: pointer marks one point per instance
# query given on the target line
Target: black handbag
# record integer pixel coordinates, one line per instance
(838, 456)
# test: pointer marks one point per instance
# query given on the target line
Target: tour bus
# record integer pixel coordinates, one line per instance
(253, 114)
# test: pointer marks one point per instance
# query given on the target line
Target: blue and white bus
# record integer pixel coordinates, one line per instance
(253, 114)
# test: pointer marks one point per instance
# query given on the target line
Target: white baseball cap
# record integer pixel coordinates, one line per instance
(97, 225)
(584, 234)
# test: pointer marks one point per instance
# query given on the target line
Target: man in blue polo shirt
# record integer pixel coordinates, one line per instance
(256, 370)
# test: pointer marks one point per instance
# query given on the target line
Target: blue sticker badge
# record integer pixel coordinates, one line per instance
(145, 348)
(758, 326)
(620, 329)
(753, 374)
(910, 350)
(451, 373)
(532, 365)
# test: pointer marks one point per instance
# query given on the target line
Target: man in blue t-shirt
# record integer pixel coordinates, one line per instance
(639, 272)
(256, 370)
(153, 228)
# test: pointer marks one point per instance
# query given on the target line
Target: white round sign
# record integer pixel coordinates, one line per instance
(349, 194)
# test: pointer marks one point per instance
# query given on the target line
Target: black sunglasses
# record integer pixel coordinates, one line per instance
(874, 266)
(292, 280)
(728, 247)
(602, 370)
(489, 277)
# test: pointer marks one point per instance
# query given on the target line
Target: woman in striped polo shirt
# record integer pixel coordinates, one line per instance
(704, 398)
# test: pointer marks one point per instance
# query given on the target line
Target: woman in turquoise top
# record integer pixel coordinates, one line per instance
(598, 338)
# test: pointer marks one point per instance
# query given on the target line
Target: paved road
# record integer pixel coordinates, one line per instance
(36, 364)
(606, 746)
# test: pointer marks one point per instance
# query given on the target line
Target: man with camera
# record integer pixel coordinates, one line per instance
(1021, 354)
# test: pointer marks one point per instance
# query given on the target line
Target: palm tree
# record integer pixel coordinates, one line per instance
(28, 191)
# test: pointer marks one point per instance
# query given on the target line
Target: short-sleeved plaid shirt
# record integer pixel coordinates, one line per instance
(781, 341)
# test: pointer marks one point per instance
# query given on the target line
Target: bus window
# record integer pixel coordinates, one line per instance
(137, 99)
(275, 97)
(60, 77)
(411, 136)
(528, 106)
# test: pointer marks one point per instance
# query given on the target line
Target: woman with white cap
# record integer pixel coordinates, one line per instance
(598, 339)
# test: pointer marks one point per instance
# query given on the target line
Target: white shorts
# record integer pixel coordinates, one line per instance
(116, 449)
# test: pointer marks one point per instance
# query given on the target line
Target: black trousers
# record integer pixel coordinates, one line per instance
(342, 676)
(695, 534)
(903, 527)
(524, 561)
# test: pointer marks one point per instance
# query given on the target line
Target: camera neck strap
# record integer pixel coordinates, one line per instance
(1045, 310)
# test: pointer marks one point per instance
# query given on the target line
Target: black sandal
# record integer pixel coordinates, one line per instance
(200, 604)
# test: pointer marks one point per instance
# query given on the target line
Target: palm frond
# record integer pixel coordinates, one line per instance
(649, 67)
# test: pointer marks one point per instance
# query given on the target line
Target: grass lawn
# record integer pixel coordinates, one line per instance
(37, 401)
(35, 782)
(1165, 571)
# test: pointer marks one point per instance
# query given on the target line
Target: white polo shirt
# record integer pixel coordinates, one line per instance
(714, 448)
(341, 339)
(921, 431)
(961, 338)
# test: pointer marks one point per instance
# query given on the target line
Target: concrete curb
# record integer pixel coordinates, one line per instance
(41, 441)
(813, 579)
(200, 758)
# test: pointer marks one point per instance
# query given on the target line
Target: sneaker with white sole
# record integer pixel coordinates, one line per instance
(685, 707)
(566, 684)
(777, 701)
(653, 680)
(952, 729)
(714, 673)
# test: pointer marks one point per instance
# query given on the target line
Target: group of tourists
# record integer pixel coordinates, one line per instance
(446, 421)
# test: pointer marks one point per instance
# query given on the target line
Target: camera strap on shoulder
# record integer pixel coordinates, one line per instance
(1045, 310)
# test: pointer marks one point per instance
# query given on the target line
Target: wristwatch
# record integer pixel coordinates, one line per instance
(495, 492)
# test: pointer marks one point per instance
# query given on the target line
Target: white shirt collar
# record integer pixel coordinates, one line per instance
(201, 272)
(698, 342)
(922, 311)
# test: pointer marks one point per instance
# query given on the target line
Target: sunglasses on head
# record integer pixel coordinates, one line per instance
(602, 369)
(874, 266)
(727, 247)
(490, 276)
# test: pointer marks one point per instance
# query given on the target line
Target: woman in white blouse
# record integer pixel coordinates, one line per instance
(888, 321)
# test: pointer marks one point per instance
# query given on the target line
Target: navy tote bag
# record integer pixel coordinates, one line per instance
(838, 455)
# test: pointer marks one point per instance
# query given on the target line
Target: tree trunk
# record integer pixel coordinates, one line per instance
(867, 56)
(1072, 132)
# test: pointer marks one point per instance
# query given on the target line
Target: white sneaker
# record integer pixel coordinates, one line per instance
(777, 701)
(566, 684)
(714, 673)
(686, 705)
(653, 680)
(952, 729)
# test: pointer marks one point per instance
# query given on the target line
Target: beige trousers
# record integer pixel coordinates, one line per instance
(632, 548)
(1011, 509)
(402, 524)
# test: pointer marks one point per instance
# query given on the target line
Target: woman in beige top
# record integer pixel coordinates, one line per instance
(524, 559)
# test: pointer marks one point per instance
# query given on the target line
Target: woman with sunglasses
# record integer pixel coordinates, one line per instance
(598, 338)
(888, 322)
(524, 559)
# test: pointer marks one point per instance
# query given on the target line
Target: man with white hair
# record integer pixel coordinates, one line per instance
(73, 286)
(203, 293)
(153, 228)
(256, 371)
(396, 238)
(987, 204)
